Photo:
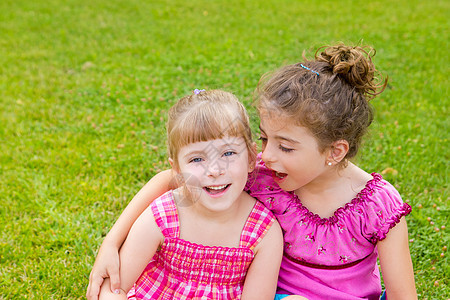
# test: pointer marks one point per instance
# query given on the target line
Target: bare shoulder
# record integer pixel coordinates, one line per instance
(247, 197)
(359, 177)
(273, 239)
(247, 201)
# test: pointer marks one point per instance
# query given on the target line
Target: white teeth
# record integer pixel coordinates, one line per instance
(280, 175)
(217, 187)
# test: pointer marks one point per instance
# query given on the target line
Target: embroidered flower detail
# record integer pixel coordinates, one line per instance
(301, 223)
(321, 250)
(344, 259)
(341, 227)
(270, 201)
(287, 246)
(380, 214)
(310, 237)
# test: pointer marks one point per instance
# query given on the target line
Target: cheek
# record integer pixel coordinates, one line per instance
(244, 161)
(191, 179)
(241, 169)
(192, 175)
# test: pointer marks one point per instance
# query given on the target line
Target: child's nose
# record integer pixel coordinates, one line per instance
(215, 169)
(267, 154)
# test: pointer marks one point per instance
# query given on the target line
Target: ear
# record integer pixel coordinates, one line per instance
(177, 180)
(174, 167)
(337, 152)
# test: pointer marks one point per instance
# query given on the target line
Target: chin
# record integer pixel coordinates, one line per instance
(217, 204)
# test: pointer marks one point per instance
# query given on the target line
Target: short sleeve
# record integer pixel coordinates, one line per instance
(383, 209)
(261, 185)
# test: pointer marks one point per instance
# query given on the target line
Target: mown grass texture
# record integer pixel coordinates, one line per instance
(85, 87)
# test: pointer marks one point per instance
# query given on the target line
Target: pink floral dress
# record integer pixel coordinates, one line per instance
(184, 270)
(332, 258)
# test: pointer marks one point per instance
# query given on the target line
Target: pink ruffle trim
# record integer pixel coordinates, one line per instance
(381, 235)
(371, 186)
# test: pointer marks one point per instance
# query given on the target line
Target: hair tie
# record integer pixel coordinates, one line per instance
(305, 67)
(197, 91)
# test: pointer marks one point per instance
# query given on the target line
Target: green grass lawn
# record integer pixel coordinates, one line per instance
(85, 87)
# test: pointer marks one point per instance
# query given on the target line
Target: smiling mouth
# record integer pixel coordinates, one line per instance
(216, 189)
(279, 175)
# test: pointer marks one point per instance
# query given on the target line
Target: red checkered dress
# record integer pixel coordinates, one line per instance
(184, 270)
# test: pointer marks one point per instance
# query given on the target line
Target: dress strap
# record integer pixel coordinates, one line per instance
(166, 215)
(256, 226)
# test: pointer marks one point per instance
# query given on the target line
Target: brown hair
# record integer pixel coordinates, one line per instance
(328, 95)
(205, 116)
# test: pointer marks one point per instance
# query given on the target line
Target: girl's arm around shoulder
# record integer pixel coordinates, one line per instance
(154, 188)
(138, 249)
(107, 261)
(262, 276)
(396, 264)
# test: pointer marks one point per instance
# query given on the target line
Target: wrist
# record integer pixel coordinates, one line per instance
(110, 242)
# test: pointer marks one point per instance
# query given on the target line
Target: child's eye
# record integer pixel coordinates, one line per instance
(196, 160)
(263, 139)
(284, 149)
(229, 153)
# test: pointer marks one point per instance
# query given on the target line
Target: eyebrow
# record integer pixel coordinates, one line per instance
(279, 137)
(193, 153)
(203, 151)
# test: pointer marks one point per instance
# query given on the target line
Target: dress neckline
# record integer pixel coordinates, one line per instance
(362, 196)
(253, 211)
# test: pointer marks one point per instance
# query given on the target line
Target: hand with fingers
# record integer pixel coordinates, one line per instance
(106, 266)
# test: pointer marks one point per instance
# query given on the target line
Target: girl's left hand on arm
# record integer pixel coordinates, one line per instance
(107, 260)
(396, 264)
(106, 266)
(136, 252)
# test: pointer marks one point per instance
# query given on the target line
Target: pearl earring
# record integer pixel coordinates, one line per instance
(329, 163)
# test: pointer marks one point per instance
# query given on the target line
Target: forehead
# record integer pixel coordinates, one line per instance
(274, 120)
(270, 112)
(206, 126)
(285, 129)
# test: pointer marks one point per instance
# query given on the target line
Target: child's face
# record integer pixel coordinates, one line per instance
(215, 171)
(292, 152)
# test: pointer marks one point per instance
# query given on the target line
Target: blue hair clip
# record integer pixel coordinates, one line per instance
(197, 91)
(305, 67)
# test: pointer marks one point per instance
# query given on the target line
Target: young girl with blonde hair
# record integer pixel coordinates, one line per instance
(337, 219)
(207, 239)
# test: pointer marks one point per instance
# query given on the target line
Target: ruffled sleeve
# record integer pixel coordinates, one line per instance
(383, 209)
(261, 185)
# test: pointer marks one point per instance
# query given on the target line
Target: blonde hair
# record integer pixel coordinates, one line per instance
(205, 116)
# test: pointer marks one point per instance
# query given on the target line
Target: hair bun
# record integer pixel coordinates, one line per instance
(355, 66)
